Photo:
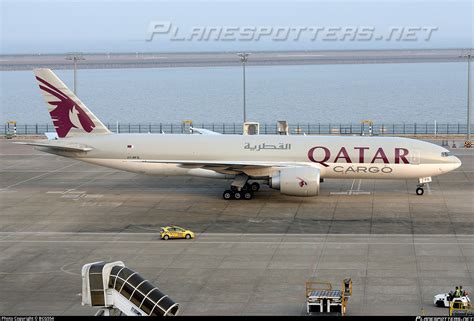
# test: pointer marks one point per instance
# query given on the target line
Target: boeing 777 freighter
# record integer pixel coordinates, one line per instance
(295, 165)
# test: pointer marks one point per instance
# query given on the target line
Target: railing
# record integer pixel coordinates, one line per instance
(412, 129)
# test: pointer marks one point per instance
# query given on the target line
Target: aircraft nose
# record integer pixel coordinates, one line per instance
(450, 164)
(457, 161)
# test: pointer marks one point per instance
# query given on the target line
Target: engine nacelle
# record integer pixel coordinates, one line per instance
(297, 181)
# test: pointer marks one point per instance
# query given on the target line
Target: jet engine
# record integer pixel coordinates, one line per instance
(296, 181)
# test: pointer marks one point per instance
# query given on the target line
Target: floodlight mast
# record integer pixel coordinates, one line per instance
(75, 57)
(243, 59)
(468, 56)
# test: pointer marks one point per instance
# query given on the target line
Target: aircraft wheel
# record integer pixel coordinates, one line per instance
(420, 191)
(255, 187)
(247, 195)
(237, 195)
(228, 195)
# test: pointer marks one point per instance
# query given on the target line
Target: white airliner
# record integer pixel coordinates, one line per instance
(295, 165)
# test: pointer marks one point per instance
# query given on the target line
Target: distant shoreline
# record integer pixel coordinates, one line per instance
(220, 59)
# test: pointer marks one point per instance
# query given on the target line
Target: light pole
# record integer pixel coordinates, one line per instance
(243, 59)
(469, 101)
(75, 56)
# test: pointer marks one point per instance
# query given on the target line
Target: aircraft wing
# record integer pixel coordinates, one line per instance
(59, 146)
(203, 131)
(51, 135)
(251, 168)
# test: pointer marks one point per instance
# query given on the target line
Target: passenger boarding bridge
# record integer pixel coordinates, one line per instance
(117, 290)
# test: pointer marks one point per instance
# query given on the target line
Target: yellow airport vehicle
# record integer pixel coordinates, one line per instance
(175, 232)
(460, 307)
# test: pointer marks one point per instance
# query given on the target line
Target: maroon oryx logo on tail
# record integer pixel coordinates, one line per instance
(67, 113)
(302, 182)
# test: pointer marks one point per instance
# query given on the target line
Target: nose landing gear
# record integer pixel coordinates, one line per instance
(419, 190)
(421, 183)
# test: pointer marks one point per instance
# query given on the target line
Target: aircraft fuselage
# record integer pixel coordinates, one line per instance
(335, 156)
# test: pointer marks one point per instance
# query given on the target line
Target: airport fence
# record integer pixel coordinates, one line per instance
(412, 129)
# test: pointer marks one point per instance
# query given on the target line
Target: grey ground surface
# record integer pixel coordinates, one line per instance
(249, 257)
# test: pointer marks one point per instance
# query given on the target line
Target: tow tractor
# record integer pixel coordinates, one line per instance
(322, 299)
(444, 300)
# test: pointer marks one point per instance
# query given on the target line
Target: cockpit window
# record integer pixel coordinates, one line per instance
(446, 154)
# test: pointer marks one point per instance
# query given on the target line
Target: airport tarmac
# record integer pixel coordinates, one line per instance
(249, 257)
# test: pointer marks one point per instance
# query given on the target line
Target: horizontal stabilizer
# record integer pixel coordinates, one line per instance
(69, 147)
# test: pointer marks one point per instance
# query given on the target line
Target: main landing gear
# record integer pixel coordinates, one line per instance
(244, 193)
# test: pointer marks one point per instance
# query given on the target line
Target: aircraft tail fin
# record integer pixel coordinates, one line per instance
(69, 114)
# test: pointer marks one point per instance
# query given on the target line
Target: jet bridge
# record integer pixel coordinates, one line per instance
(117, 290)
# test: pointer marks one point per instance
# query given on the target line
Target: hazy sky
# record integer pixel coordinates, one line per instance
(122, 26)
